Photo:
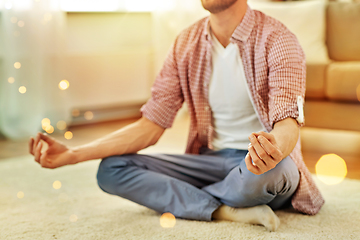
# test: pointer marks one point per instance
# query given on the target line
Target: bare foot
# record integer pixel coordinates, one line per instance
(262, 215)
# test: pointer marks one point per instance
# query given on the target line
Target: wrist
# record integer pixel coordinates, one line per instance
(78, 155)
(86, 152)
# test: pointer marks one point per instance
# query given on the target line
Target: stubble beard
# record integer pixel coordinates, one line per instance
(216, 6)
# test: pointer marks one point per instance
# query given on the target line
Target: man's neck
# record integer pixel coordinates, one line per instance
(224, 23)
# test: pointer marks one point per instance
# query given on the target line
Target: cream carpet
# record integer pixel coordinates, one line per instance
(80, 210)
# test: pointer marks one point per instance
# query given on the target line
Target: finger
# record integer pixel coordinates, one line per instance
(268, 136)
(45, 146)
(36, 140)
(250, 166)
(34, 146)
(31, 144)
(38, 152)
(256, 160)
(260, 151)
(273, 151)
(47, 138)
(43, 160)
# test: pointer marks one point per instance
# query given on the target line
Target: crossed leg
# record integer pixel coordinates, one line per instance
(214, 184)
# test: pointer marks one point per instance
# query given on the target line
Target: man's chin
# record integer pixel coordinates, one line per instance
(217, 7)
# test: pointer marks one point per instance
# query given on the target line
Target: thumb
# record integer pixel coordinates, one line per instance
(44, 161)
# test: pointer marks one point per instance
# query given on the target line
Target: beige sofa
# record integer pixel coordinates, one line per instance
(333, 90)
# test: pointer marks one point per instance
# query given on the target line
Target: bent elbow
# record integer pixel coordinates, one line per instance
(156, 137)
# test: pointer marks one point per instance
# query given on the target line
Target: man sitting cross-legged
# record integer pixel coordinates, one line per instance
(242, 76)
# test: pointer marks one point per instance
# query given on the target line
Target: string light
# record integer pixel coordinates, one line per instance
(64, 84)
(57, 185)
(61, 125)
(88, 115)
(17, 65)
(68, 135)
(20, 195)
(167, 220)
(22, 89)
(11, 80)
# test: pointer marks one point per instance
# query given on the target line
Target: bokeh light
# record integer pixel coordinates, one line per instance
(21, 23)
(17, 65)
(75, 112)
(331, 169)
(358, 92)
(64, 84)
(68, 135)
(73, 218)
(13, 20)
(45, 123)
(49, 129)
(61, 125)
(167, 220)
(22, 89)
(20, 195)
(57, 185)
(8, 5)
(11, 80)
(88, 115)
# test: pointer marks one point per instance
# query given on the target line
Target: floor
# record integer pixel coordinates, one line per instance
(315, 142)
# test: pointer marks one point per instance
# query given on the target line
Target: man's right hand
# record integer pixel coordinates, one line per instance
(56, 155)
(130, 139)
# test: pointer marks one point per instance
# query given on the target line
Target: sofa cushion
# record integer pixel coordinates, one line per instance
(343, 31)
(334, 115)
(315, 81)
(343, 81)
(306, 19)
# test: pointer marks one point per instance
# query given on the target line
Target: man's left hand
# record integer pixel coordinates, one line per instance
(264, 153)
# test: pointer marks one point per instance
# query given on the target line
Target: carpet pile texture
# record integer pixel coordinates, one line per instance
(31, 208)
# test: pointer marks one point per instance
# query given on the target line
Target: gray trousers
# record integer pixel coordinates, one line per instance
(194, 186)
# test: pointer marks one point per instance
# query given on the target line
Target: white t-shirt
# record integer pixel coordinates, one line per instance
(234, 117)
